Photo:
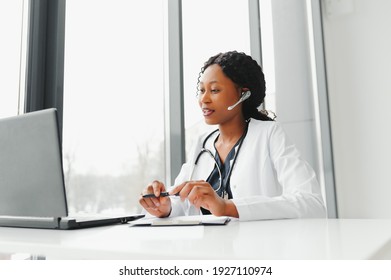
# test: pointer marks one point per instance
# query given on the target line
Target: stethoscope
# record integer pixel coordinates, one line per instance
(207, 151)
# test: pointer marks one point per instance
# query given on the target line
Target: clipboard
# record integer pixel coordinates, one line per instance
(196, 220)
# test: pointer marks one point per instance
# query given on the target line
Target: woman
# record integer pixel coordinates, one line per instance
(246, 169)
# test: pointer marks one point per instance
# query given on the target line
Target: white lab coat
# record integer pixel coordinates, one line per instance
(269, 180)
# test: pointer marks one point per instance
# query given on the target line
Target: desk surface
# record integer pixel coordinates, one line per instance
(275, 239)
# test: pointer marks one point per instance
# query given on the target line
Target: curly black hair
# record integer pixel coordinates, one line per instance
(245, 72)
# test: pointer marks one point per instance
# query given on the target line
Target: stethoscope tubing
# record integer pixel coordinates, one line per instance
(205, 150)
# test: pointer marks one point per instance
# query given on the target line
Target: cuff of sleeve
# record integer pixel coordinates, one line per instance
(177, 208)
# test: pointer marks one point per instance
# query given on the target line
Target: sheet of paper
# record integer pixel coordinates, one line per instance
(182, 221)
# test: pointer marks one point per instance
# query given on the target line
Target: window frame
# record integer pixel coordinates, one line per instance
(45, 57)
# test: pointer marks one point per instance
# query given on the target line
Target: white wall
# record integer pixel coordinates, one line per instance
(358, 60)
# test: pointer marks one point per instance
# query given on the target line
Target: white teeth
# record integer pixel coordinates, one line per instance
(207, 112)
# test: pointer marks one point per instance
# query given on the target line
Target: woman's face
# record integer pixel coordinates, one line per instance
(216, 93)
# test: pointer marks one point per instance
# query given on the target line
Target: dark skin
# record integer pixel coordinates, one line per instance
(217, 93)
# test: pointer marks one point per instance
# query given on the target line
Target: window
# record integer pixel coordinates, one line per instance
(224, 27)
(267, 39)
(11, 49)
(113, 124)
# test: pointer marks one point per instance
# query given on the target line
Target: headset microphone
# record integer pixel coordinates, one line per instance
(245, 95)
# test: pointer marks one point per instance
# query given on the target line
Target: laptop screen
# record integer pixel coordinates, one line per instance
(31, 175)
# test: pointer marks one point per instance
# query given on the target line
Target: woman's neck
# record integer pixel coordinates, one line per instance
(232, 131)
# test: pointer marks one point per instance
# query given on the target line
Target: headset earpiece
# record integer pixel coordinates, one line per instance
(245, 95)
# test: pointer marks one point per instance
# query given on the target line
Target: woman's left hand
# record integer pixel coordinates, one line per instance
(201, 194)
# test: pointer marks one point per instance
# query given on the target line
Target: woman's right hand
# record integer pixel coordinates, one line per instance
(156, 206)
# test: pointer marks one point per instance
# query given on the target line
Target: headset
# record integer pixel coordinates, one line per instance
(245, 95)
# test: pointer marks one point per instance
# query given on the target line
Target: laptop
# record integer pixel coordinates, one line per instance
(32, 189)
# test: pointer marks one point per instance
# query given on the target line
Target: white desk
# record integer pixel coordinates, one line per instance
(275, 239)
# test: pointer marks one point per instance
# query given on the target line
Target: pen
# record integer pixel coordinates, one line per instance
(162, 194)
